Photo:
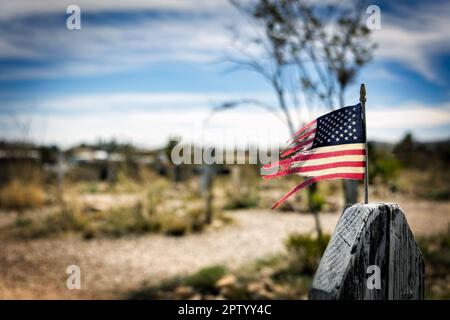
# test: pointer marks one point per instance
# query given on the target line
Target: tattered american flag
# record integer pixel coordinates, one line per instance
(330, 147)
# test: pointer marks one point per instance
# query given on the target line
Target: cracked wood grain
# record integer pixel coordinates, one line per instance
(370, 234)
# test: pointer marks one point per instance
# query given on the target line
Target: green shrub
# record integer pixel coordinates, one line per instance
(66, 220)
(175, 218)
(23, 222)
(205, 279)
(437, 195)
(305, 251)
(436, 254)
(90, 187)
(241, 203)
(175, 226)
(317, 202)
(132, 220)
(384, 165)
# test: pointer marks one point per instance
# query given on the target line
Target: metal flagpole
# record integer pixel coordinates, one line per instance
(362, 99)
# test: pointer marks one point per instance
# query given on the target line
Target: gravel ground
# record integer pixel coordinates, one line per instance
(110, 267)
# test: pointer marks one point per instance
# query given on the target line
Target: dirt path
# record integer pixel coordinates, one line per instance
(36, 269)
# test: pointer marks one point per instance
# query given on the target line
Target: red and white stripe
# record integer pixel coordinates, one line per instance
(303, 138)
(346, 161)
(323, 160)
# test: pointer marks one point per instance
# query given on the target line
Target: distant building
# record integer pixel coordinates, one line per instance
(17, 154)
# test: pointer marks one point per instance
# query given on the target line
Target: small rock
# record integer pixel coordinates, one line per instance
(254, 287)
(278, 289)
(183, 291)
(267, 295)
(267, 271)
(217, 224)
(268, 284)
(226, 281)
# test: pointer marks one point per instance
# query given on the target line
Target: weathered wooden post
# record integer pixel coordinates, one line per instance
(206, 190)
(372, 255)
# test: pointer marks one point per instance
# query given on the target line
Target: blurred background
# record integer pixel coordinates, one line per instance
(92, 105)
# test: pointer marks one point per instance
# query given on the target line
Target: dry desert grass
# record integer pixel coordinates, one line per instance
(112, 267)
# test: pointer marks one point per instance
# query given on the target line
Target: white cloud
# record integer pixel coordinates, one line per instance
(123, 102)
(414, 35)
(411, 115)
(149, 128)
(106, 48)
(142, 119)
(19, 8)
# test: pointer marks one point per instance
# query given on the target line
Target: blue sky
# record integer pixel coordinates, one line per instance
(142, 71)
